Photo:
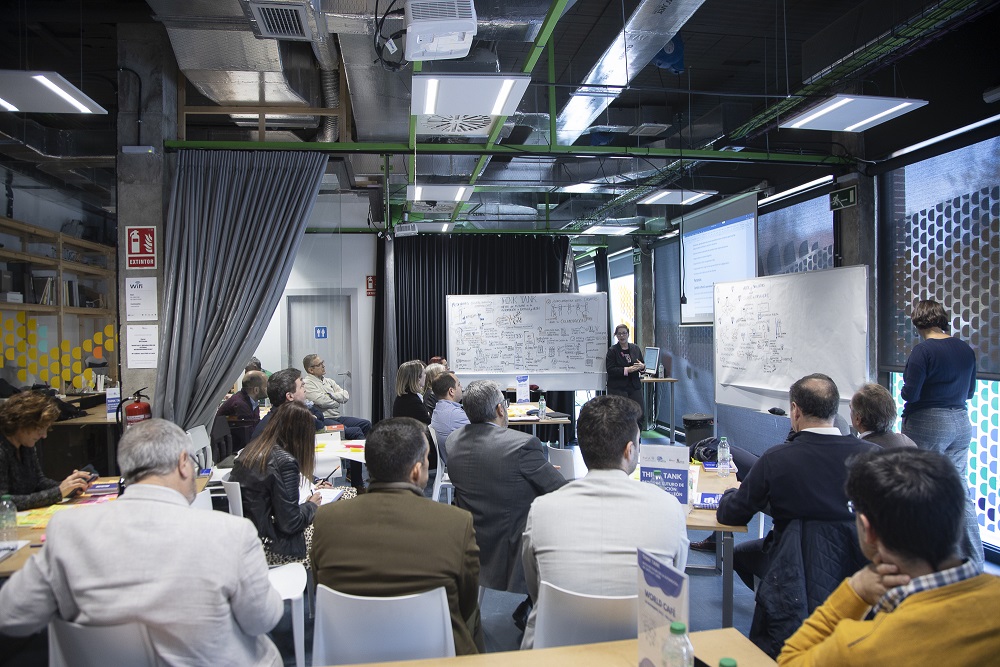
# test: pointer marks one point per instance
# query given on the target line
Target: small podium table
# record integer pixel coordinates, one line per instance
(650, 412)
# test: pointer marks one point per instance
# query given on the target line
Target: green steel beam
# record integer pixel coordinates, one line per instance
(377, 148)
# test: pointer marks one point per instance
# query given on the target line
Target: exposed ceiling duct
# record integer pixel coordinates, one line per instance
(651, 26)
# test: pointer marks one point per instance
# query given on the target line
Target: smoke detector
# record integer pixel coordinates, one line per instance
(439, 29)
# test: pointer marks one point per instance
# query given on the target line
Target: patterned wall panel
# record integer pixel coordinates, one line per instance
(796, 238)
(984, 412)
(948, 250)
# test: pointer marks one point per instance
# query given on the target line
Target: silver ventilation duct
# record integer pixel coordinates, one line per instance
(653, 24)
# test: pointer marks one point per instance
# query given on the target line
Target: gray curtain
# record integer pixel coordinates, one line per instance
(233, 228)
(390, 359)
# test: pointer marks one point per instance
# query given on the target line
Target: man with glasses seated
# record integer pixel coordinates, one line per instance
(328, 396)
(497, 472)
(926, 604)
(143, 559)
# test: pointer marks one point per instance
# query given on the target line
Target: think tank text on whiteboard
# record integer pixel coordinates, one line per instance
(560, 340)
(769, 332)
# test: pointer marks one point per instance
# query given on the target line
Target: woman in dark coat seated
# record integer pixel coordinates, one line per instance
(271, 471)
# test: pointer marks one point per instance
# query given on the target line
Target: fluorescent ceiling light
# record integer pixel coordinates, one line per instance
(439, 192)
(589, 188)
(444, 227)
(851, 113)
(445, 94)
(610, 230)
(946, 135)
(799, 188)
(681, 197)
(430, 101)
(43, 92)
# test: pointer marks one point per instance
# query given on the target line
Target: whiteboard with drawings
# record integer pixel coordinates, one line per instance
(559, 340)
(771, 331)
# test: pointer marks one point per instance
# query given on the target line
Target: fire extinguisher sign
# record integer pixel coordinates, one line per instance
(140, 247)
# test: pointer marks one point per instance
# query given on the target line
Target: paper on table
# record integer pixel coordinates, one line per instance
(330, 495)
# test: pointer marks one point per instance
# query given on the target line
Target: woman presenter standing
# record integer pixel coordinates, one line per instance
(624, 364)
(940, 376)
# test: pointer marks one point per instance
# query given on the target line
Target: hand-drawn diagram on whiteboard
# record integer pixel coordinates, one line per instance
(771, 331)
(533, 333)
(752, 333)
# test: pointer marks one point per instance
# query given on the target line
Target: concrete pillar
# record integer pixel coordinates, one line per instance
(645, 318)
(147, 102)
(855, 243)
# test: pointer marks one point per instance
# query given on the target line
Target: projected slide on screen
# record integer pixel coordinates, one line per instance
(717, 250)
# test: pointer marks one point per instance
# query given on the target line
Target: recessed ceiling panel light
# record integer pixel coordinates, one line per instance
(681, 197)
(43, 92)
(797, 189)
(609, 230)
(446, 94)
(851, 113)
(439, 192)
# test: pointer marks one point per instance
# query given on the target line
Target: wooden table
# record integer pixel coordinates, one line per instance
(710, 482)
(34, 535)
(535, 422)
(655, 382)
(331, 449)
(709, 646)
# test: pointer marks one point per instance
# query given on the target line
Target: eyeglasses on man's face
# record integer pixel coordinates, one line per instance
(318, 364)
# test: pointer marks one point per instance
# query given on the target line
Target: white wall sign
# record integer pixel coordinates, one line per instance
(141, 304)
(143, 347)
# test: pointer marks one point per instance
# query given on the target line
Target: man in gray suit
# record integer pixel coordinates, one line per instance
(873, 412)
(196, 579)
(497, 472)
(584, 536)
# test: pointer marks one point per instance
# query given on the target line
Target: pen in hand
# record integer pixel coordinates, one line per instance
(327, 478)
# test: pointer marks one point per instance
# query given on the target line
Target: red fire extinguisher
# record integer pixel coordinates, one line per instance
(136, 411)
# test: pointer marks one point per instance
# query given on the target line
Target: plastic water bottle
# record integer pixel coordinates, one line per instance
(677, 650)
(541, 406)
(659, 371)
(725, 458)
(8, 520)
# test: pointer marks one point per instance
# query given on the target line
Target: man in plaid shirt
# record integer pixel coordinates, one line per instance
(916, 602)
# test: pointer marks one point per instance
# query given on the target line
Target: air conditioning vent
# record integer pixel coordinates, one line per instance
(280, 20)
(438, 10)
(649, 129)
(439, 29)
(458, 125)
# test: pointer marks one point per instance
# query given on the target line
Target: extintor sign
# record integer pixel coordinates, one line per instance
(140, 247)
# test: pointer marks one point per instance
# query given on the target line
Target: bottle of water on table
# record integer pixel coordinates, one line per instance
(541, 406)
(8, 520)
(725, 458)
(677, 650)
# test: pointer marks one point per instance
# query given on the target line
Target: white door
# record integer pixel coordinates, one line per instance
(310, 318)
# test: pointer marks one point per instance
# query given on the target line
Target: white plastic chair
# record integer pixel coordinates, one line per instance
(290, 581)
(353, 629)
(235, 496)
(441, 480)
(565, 618)
(202, 446)
(203, 501)
(99, 645)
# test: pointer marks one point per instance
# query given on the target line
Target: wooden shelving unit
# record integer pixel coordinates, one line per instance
(91, 265)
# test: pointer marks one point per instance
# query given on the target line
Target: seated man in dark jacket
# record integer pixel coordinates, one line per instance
(803, 478)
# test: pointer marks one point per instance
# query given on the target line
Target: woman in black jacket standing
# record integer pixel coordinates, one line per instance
(271, 471)
(624, 365)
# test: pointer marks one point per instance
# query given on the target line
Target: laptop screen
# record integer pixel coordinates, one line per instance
(651, 359)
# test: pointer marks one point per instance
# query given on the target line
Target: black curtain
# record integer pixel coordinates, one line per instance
(429, 268)
(378, 335)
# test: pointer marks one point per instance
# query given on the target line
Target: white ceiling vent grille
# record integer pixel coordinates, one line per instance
(439, 10)
(433, 206)
(462, 125)
(649, 129)
(281, 20)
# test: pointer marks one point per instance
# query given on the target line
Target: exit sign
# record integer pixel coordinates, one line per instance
(844, 198)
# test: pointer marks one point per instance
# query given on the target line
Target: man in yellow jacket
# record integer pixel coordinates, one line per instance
(916, 603)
